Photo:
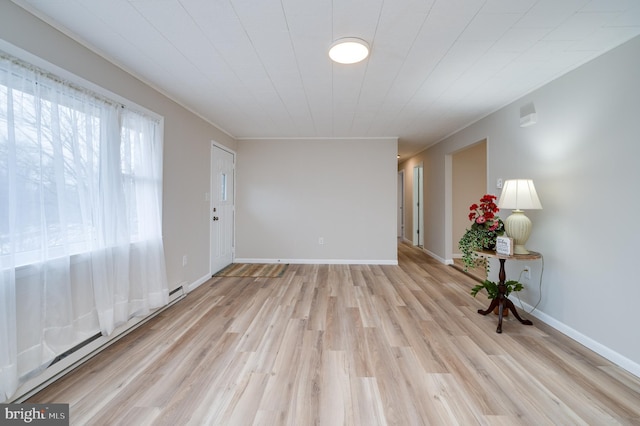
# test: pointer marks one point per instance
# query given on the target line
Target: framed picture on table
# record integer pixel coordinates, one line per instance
(504, 245)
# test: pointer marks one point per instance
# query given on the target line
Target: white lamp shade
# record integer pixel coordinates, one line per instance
(519, 194)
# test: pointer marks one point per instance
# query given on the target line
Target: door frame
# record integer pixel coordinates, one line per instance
(401, 205)
(418, 207)
(215, 144)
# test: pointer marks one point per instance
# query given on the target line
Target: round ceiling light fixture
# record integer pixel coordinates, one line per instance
(349, 50)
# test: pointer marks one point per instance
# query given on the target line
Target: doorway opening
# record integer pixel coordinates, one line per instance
(468, 183)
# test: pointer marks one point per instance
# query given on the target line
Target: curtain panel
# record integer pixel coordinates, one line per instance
(80, 219)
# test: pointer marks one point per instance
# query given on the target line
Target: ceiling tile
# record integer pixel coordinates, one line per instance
(260, 69)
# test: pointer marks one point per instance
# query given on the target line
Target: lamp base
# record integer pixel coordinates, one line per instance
(518, 226)
(520, 249)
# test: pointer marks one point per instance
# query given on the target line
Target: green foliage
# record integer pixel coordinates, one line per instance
(492, 288)
(477, 238)
(485, 228)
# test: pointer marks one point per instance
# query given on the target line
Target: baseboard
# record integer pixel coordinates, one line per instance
(616, 358)
(319, 261)
(438, 258)
(85, 353)
(619, 360)
(190, 287)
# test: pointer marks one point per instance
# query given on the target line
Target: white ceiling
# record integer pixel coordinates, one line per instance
(259, 68)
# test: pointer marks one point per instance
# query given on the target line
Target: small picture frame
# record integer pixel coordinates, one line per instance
(504, 245)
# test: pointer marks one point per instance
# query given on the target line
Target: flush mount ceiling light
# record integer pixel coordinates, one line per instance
(348, 50)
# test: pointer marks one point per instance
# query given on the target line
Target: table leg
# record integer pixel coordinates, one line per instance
(491, 307)
(512, 308)
(502, 301)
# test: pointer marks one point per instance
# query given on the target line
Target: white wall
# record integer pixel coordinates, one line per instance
(187, 138)
(583, 157)
(582, 154)
(293, 192)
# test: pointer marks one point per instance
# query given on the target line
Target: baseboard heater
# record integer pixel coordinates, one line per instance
(84, 351)
(74, 349)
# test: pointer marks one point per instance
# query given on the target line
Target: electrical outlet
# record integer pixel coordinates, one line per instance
(185, 260)
(527, 272)
(321, 240)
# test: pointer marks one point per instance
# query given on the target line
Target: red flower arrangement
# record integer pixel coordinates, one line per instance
(484, 214)
(484, 231)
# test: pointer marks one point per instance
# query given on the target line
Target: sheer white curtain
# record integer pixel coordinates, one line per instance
(80, 219)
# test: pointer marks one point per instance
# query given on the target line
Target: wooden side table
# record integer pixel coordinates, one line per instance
(502, 301)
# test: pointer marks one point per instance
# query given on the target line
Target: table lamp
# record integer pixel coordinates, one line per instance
(519, 195)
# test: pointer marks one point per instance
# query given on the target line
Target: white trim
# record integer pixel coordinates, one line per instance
(417, 231)
(197, 283)
(235, 185)
(315, 138)
(597, 347)
(611, 355)
(82, 83)
(400, 197)
(438, 258)
(110, 59)
(84, 354)
(81, 356)
(448, 205)
(320, 261)
(224, 147)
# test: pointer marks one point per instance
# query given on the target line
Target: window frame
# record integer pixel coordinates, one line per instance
(48, 70)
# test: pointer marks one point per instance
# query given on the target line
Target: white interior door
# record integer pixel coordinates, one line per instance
(222, 209)
(418, 208)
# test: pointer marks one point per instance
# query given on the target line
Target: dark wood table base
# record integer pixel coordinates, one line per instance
(502, 301)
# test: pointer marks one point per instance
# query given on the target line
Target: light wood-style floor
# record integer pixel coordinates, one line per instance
(345, 345)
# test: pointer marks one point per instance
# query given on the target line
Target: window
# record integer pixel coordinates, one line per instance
(52, 154)
(80, 217)
(46, 152)
(223, 187)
